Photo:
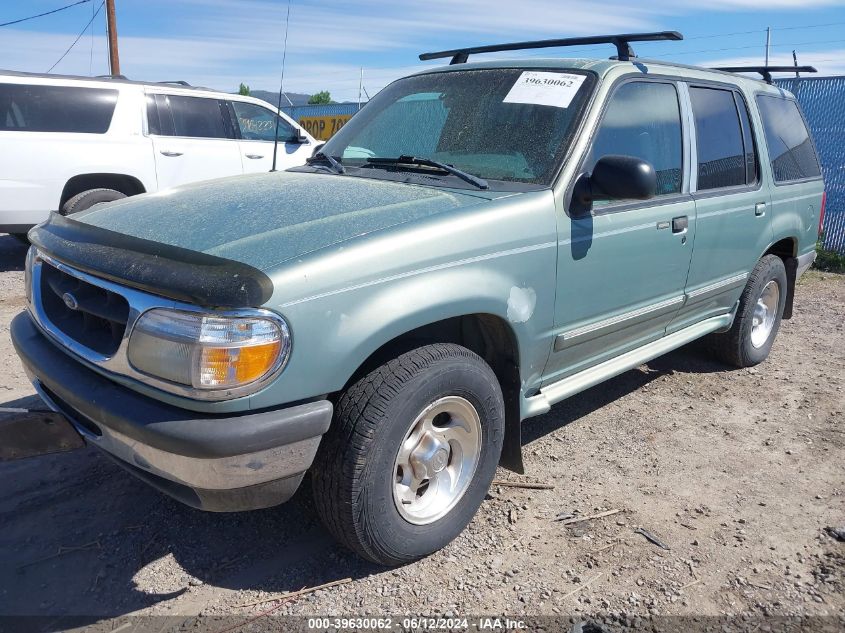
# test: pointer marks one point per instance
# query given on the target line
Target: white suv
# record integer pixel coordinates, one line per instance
(70, 142)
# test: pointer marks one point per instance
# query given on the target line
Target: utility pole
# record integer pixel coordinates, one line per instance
(768, 42)
(114, 57)
(795, 61)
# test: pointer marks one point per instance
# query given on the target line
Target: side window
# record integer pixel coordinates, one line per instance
(259, 124)
(31, 108)
(790, 148)
(643, 119)
(719, 140)
(195, 117)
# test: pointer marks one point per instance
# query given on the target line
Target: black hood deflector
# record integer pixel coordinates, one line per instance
(169, 271)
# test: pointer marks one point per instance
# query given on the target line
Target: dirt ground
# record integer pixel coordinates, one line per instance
(737, 473)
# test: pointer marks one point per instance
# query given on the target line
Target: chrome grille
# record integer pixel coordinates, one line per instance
(90, 315)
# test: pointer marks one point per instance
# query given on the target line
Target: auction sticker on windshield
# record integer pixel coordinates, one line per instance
(548, 89)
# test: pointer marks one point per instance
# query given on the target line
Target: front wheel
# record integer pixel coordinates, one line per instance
(411, 454)
(758, 316)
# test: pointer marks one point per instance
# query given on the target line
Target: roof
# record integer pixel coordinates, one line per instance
(604, 66)
(104, 78)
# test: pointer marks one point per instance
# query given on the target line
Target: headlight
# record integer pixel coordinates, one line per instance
(207, 351)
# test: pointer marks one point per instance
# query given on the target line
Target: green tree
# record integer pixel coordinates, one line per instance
(320, 98)
(243, 90)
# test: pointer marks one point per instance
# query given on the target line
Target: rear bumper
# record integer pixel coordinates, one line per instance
(217, 463)
(18, 221)
(21, 229)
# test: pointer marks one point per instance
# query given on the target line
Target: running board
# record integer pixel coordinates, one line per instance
(569, 386)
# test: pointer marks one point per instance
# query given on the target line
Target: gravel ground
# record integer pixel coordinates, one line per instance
(736, 473)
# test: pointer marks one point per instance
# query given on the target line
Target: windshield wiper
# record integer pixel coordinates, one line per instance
(427, 162)
(331, 160)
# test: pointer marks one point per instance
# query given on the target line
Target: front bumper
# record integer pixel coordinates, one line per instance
(218, 463)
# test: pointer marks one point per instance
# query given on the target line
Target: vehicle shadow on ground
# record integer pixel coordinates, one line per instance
(83, 539)
(693, 358)
(12, 253)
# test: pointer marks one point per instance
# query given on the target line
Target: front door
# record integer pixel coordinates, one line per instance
(622, 269)
(257, 126)
(192, 138)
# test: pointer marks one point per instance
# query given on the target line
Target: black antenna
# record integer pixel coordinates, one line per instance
(766, 71)
(621, 41)
(281, 90)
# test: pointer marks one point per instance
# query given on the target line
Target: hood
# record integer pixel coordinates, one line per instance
(266, 219)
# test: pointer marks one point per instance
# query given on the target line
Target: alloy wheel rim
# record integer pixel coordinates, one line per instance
(437, 460)
(764, 314)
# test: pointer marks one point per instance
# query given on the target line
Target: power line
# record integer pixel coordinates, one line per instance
(78, 37)
(91, 55)
(807, 26)
(740, 48)
(41, 15)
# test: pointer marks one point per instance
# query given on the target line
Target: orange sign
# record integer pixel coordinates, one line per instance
(324, 127)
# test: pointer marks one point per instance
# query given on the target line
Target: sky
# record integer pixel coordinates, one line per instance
(221, 43)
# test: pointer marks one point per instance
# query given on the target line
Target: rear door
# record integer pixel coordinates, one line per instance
(797, 191)
(256, 128)
(732, 205)
(193, 139)
(621, 270)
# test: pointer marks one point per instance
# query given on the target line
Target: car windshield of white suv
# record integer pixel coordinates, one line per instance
(503, 128)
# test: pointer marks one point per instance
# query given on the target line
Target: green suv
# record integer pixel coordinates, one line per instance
(480, 242)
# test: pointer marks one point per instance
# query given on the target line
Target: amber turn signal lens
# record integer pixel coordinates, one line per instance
(237, 365)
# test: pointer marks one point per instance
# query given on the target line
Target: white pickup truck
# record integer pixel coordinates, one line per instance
(67, 143)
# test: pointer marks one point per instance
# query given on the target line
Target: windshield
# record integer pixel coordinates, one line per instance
(508, 126)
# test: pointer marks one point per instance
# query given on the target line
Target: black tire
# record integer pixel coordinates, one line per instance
(735, 346)
(87, 199)
(353, 474)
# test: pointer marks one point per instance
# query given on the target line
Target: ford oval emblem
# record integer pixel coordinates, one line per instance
(70, 301)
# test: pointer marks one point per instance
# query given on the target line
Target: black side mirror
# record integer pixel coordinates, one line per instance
(614, 177)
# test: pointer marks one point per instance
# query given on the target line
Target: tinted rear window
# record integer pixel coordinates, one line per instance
(721, 159)
(790, 148)
(196, 117)
(29, 108)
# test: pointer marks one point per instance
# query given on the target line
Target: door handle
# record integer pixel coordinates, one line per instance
(165, 152)
(760, 209)
(680, 224)
(255, 156)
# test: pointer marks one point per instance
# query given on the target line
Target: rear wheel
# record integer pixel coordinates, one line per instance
(411, 454)
(87, 199)
(758, 316)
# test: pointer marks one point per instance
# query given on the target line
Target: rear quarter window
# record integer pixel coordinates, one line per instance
(790, 148)
(35, 108)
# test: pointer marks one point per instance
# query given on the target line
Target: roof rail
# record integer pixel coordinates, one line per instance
(177, 82)
(111, 77)
(621, 41)
(766, 71)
